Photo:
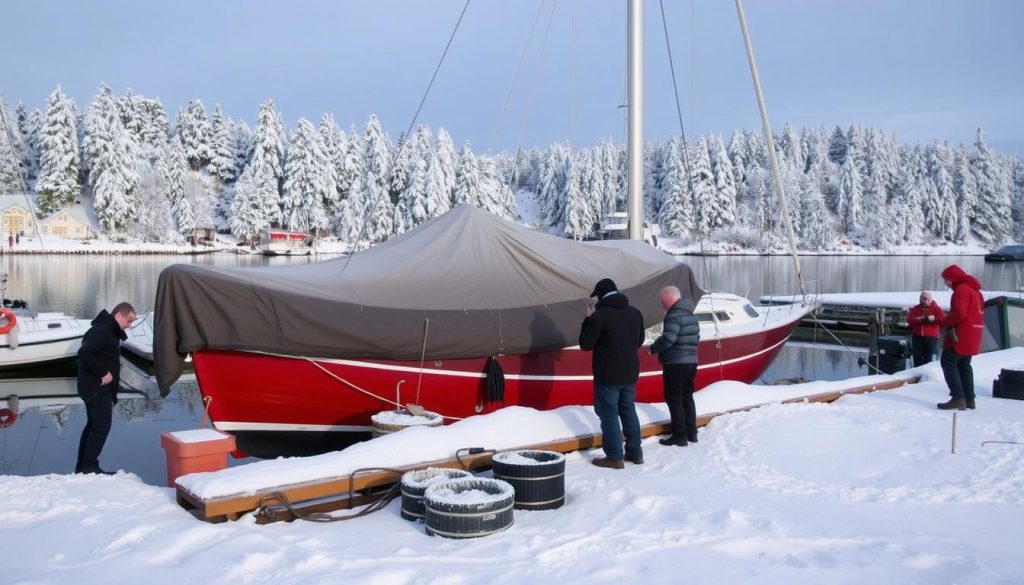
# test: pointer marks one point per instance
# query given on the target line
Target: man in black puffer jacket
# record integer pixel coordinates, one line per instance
(677, 352)
(614, 330)
(99, 376)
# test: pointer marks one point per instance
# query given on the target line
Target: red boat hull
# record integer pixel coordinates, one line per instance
(270, 401)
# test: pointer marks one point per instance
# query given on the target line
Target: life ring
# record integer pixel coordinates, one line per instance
(7, 314)
(7, 417)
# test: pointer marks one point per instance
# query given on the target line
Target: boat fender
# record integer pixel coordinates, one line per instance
(495, 381)
(7, 320)
(7, 417)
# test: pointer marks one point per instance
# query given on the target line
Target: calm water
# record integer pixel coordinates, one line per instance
(45, 438)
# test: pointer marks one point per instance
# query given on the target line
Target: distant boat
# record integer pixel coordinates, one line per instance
(285, 243)
(29, 339)
(1008, 253)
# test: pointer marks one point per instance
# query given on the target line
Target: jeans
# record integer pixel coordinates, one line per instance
(612, 403)
(99, 412)
(959, 374)
(923, 349)
(678, 382)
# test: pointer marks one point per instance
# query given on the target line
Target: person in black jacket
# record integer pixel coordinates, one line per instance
(614, 331)
(99, 376)
(677, 352)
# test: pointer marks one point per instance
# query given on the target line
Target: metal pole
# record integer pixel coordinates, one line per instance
(634, 174)
(952, 447)
(770, 140)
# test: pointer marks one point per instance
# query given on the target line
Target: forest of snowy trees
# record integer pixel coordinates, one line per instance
(150, 179)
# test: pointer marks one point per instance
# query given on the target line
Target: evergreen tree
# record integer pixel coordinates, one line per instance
(851, 193)
(792, 147)
(677, 215)
(194, 131)
(13, 158)
(837, 147)
(965, 189)
(445, 150)
(817, 226)
(705, 194)
(579, 222)
(267, 162)
(725, 188)
(332, 140)
(177, 167)
(111, 155)
(58, 155)
(309, 186)
(222, 159)
(467, 178)
(243, 146)
(29, 135)
(437, 196)
(992, 210)
(379, 213)
(248, 215)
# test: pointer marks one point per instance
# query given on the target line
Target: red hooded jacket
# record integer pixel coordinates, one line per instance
(925, 328)
(966, 312)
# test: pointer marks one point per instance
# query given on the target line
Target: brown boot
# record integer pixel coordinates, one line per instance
(953, 404)
(970, 403)
(608, 463)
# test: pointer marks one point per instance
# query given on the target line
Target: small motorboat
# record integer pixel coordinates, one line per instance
(29, 339)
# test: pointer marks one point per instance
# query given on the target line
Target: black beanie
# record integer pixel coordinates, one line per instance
(603, 287)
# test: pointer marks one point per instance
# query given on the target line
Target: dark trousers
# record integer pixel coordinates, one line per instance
(959, 374)
(612, 404)
(99, 412)
(678, 380)
(923, 349)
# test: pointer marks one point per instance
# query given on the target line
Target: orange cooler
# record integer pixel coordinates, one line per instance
(194, 451)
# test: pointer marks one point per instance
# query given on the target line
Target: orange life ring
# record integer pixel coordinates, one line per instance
(7, 417)
(11, 320)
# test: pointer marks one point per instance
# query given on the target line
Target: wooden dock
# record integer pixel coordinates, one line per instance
(286, 502)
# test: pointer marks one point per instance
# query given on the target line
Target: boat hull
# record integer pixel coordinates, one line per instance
(279, 405)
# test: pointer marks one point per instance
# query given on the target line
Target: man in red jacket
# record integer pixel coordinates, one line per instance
(964, 324)
(924, 319)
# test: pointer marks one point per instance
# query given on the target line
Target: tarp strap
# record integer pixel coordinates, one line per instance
(495, 381)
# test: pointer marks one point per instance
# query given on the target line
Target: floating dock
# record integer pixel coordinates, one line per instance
(286, 502)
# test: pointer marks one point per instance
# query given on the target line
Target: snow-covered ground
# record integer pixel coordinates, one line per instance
(863, 490)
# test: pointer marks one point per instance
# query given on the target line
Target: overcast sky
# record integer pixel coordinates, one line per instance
(921, 69)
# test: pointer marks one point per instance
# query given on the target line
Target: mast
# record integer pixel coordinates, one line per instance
(634, 154)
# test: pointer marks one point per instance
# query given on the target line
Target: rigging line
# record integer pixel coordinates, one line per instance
(572, 75)
(536, 74)
(515, 77)
(394, 159)
(686, 165)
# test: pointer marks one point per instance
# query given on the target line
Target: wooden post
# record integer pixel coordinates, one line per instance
(952, 447)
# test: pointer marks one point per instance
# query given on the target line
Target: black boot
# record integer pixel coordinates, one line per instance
(953, 404)
(970, 403)
(673, 441)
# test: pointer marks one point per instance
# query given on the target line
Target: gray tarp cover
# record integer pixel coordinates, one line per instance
(488, 286)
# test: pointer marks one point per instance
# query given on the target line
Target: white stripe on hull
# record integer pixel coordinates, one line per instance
(229, 426)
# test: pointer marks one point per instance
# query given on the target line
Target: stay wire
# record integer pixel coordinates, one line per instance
(401, 147)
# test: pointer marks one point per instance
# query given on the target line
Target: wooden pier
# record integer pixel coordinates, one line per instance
(286, 502)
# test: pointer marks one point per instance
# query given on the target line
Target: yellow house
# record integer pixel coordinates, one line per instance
(15, 217)
(71, 223)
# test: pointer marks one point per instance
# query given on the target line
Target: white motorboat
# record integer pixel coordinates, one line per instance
(32, 339)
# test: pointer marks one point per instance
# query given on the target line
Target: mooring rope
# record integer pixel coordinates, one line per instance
(363, 391)
(378, 504)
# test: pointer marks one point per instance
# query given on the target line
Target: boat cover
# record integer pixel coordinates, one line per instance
(466, 284)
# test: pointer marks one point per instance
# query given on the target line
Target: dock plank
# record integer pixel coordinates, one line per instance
(346, 492)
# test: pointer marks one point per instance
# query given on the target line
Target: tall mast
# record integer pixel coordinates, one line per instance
(634, 155)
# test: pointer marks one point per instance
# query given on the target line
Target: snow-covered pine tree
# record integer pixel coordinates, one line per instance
(58, 155)
(851, 193)
(222, 159)
(309, 184)
(792, 147)
(248, 215)
(332, 140)
(992, 210)
(243, 146)
(446, 160)
(739, 154)
(817, 229)
(267, 162)
(196, 135)
(467, 177)
(578, 219)
(154, 218)
(412, 206)
(112, 157)
(942, 163)
(28, 135)
(437, 197)
(613, 177)
(379, 210)
(705, 194)
(838, 146)
(725, 188)
(677, 213)
(13, 153)
(965, 189)
(177, 167)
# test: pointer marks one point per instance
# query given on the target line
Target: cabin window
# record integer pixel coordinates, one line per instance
(704, 317)
(723, 316)
(750, 310)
